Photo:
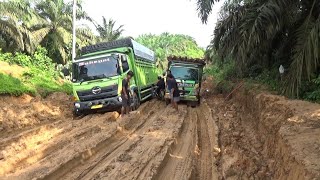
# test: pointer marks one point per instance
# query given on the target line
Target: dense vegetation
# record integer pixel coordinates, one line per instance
(35, 74)
(167, 44)
(251, 40)
(26, 24)
(260, 35)
(36, 35)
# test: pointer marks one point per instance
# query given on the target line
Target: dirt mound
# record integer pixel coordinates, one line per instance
(26, 111)
(207, 87)
(12, 70)
(264, 136)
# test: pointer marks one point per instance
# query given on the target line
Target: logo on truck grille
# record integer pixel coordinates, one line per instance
(96, 90)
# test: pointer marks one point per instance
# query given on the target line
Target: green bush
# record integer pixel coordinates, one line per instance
(13, 86)
(270, 79)
(313, 94)
(40, 78)
(43, 62)
(44, 83)
(223, 75)
(222, 72)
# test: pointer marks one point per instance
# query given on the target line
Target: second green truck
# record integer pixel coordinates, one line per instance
(99, 71)
(188, 74)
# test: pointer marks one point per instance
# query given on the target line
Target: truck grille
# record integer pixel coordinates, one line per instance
(106, 92)
(184, 92)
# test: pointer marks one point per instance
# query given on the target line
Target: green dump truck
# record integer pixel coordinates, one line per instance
(188, 74)
(99, 71)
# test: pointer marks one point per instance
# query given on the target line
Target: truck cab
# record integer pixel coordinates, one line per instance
(99, 71)
(188, 74)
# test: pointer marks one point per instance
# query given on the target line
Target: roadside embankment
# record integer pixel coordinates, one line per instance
(282, 136)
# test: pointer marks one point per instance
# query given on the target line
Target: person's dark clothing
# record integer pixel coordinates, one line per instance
(161, 83)
(160, 86)
(176, 92)
(125, 85)
(172, 84)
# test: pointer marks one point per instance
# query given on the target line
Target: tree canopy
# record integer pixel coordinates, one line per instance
(167, 44)
(108, 31)
(264, 34)
(26, 24)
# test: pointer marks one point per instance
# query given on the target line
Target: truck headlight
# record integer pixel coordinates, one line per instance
(77, 105)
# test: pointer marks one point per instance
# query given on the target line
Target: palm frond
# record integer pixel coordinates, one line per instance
(40, 34)
(10, 28)
(204, 8)
(305, 55)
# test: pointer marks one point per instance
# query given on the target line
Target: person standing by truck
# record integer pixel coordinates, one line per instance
(160, 87)
(166, 79)
(125, 94)
(174, 91)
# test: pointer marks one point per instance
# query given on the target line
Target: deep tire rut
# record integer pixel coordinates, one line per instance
(156, 142)
(181, 155)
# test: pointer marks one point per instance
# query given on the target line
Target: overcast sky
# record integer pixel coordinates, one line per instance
(155, 16)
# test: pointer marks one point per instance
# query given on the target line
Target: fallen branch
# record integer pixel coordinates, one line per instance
(239, 86)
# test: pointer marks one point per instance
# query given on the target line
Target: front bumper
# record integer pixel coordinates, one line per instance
(105, 104)
(184, 97)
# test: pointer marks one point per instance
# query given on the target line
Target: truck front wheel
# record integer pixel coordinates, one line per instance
(135, 101)
(168, 101)
(77, 113)
(199, 100)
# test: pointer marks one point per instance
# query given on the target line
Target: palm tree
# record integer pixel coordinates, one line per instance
(15, 18)
(48, 23)
(55, 32)
(107, 31)
(269, 33)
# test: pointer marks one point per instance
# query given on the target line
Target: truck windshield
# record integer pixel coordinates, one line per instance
(185, 73)
(95, 69)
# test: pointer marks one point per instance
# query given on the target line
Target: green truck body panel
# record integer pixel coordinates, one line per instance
(98, 74)
(188, 74)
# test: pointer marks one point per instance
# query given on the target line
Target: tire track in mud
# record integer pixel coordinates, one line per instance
(138, 154)
(36, 144)
(206, 167)
(57, 152)
(110, 145)
(180, 159)
(155, 142)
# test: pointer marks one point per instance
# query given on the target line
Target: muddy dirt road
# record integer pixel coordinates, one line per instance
(251, 136)
(153, 143)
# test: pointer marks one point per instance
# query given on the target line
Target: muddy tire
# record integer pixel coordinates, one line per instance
(167, 101)
(135, 101)
(76, 113)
